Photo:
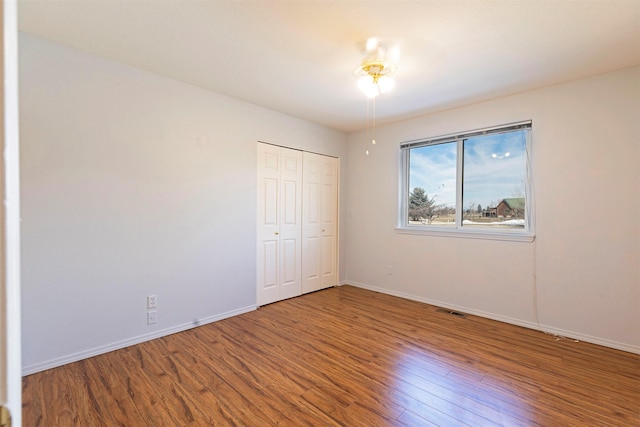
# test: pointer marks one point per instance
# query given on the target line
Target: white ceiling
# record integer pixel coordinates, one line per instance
(297, 57)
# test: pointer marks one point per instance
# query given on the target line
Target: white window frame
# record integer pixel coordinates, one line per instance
(524, 235)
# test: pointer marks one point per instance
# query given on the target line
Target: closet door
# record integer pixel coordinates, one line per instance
(319, 222)
(279, 254)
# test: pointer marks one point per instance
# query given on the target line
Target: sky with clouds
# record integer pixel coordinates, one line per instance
(494, 169)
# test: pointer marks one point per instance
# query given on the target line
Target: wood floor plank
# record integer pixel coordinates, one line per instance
(92, 404)
(33, 402)
(116, 400)
(358, 383)
(409, 419)
(133, 380)
(343, 357)
(230, 386)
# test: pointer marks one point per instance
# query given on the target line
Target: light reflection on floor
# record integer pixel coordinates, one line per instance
(433, 388)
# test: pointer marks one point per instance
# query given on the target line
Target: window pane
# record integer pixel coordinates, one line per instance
(432, 185)
(494, 178)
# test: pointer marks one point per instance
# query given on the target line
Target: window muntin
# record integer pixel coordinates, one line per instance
(477, 182)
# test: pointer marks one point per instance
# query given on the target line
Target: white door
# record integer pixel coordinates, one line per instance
(279, 271)
(319, 222)
(10, 365)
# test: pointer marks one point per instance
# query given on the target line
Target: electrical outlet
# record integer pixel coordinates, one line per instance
(390, 270)
(152, 317)
(152, 302)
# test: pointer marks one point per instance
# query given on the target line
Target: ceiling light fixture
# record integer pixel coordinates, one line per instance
(376, 71)
(375, 75)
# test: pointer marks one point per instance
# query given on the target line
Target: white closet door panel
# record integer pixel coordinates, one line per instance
(270, 256)
(267, 256)
(270, 162)
(312, 202)
(319, 223)
(289, 261)
(268, 265)
(328, 252)
(329, 221)
(279, 271)
(290, 200)
(311, 263)
(291, 163)
(270, 206)
(313, 166)
(290, 268)
(291, 194)
(297, 223)
(291, 224)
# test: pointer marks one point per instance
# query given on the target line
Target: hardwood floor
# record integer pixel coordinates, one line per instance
(343, 357)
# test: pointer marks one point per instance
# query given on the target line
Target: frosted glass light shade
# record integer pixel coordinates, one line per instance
(367, 85)
(385, 84)
(372, 88)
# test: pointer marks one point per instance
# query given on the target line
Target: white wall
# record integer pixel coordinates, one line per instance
(134, 184)
(583, 265)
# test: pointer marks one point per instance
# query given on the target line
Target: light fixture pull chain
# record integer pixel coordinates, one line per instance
(373, 140)
(368, 119)
(371, 120)
(366, 132)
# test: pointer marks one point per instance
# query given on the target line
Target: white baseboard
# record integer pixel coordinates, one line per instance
(54, 363)
(526, 324)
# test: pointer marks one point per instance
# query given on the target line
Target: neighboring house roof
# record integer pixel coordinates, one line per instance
(515, 203)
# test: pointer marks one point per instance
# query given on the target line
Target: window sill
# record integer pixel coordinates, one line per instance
(468, 234)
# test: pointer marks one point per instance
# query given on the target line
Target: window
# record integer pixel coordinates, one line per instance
(475, 184)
